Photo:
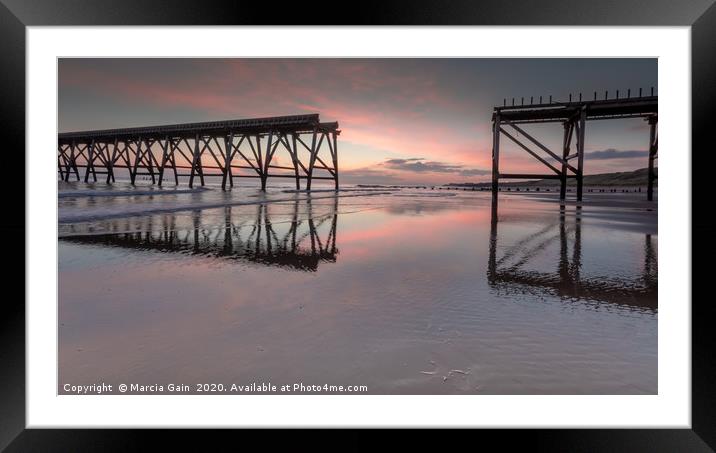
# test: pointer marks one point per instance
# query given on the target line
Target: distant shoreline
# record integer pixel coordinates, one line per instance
(630, 179)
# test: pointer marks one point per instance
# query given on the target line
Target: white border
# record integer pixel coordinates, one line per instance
(670, 408)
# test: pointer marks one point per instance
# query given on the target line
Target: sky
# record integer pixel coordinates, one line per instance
(402, 121)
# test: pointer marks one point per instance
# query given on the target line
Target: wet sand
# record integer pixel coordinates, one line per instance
(407, 292)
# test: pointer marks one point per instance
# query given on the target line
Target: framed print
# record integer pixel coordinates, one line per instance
(368, 221)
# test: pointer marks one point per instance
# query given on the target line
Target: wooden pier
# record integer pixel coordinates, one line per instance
(245, 148)
(511, 122)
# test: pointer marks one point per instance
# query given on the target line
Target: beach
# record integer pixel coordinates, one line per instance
(385, 290)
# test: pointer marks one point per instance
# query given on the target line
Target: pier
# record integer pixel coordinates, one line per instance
(244, 148)
(511, 121)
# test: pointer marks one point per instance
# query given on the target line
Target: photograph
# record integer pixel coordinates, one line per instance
(357, 226)
(239, 217)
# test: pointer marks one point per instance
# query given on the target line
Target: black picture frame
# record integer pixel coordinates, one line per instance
(700, 15)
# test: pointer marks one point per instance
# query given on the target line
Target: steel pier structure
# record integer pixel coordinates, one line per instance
(245, 148)
(509, 121)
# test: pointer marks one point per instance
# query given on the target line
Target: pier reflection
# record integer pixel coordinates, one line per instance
(298, 238)
(522, 268)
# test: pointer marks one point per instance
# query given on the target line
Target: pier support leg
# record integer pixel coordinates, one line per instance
(294, 156)
(580, 153)
(59, 167)
(172, 154)
(125, 157)
(230, 170)
(110, 162)
(312, 160)
(335, 159)
(71, 164)
(165, 157)
(258, 156)
(62, 161)
(565, 152)
(73, 157)
(195, 159)
(137, 156)
(495, 154)
(267, 161)
(90, 163)
(150, 157)
(229, 153)
(653, 146)
(200, 170)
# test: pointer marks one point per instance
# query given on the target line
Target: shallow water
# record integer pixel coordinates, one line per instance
(411, 291)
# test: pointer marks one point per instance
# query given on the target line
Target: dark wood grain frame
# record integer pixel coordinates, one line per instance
(700, 15)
